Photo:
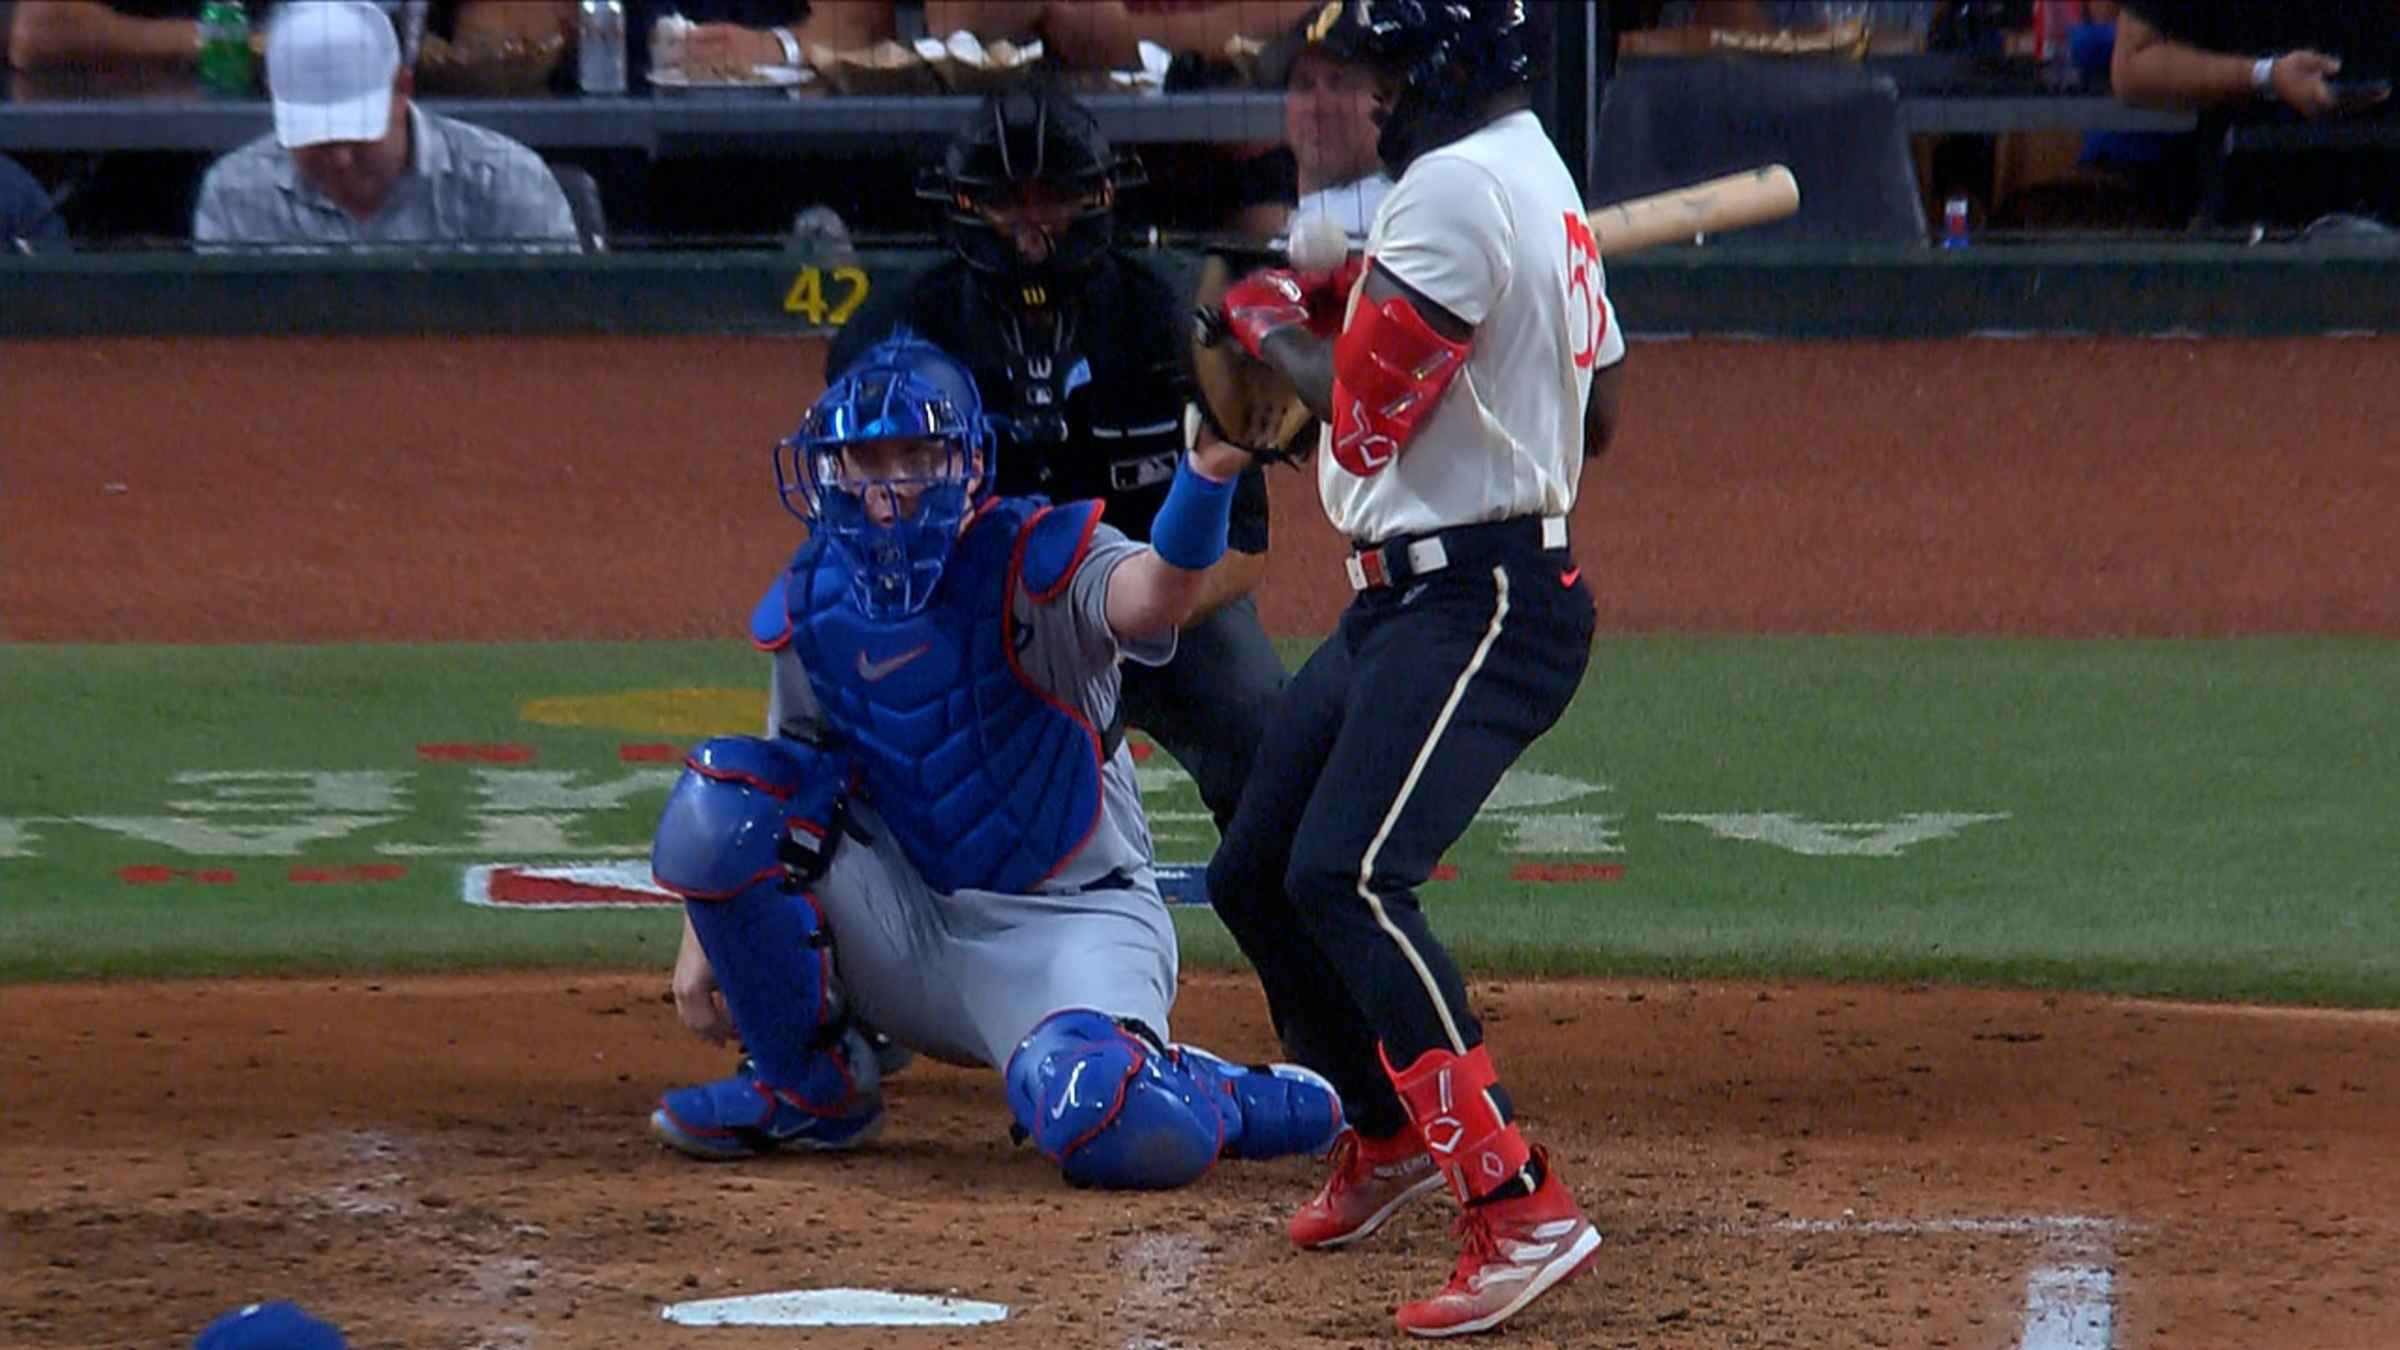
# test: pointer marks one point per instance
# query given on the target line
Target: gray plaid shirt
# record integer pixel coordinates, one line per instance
(465, 188)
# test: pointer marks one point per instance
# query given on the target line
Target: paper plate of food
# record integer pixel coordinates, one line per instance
(767, 78)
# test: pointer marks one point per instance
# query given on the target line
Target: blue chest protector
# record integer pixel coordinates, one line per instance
(985, 781)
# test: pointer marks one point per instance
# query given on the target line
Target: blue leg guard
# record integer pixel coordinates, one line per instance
(809, 1080)
(1283, 1109)
(1116, 1109)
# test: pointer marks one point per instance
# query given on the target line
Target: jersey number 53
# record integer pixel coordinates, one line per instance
(1587, 317)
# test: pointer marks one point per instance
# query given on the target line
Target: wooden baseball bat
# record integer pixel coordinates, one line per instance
(1736, 201)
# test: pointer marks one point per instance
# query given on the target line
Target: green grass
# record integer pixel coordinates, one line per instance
(2208, 819)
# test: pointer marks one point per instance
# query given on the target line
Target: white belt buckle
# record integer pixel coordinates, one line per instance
(1358, 573)
(1427, 555)
(1554, 532)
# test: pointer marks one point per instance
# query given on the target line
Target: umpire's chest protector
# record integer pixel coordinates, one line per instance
(985, 781)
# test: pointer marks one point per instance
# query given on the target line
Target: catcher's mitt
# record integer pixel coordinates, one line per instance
(1246, 402)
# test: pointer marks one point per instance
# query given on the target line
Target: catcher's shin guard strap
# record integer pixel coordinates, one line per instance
(1449, 1099)
(1191, 525)
(1109, 1107)
(1389, 370)
(774, 960)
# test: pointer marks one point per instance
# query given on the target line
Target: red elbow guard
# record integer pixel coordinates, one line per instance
(1389, 369)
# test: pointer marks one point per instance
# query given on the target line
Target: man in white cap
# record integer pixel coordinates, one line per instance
(352, 161)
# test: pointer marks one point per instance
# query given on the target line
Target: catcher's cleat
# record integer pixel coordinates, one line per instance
(890, 1055)
(1372, 1179)
(1511, 1252)
(1283, 1109)
(742, 1117)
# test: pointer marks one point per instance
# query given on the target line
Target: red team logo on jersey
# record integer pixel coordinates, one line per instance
(1587, 318)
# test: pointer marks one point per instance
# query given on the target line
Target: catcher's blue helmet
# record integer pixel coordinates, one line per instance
(921, 406)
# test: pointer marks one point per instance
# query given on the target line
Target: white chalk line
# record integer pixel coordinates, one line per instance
(2058, 1226)
(2070, 1308)
(2069, 1305)
(1159, 1270)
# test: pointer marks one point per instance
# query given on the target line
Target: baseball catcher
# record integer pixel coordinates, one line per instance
(940, 834)
(1078, 348)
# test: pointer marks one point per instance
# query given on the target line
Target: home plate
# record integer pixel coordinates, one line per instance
(834, 1308)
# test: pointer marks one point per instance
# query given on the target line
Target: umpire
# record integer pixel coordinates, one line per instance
(1076, 347)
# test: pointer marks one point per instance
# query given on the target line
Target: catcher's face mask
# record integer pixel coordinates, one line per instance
(888, 467)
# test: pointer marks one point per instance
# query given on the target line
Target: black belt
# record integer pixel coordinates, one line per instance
(1399, 560)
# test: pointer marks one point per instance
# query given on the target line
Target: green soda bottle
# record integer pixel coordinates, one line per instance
(225, 66)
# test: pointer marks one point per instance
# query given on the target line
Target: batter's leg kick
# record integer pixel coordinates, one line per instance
(1208, 707)
(725, 844)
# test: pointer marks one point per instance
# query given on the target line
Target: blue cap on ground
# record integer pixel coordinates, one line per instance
(269, 1326)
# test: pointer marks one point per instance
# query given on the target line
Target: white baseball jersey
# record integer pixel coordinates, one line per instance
(1353, 204)
(1491, 228)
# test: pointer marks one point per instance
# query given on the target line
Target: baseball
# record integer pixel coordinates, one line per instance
(1318, 245)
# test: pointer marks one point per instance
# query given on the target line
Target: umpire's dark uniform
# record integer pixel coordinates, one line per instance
(1091, 404)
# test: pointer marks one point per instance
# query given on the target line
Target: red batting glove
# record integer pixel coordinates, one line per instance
(1263, 302)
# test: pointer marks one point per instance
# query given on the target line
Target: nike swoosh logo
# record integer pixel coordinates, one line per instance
(871, 671)
(1067, 1098)
(1569, 577)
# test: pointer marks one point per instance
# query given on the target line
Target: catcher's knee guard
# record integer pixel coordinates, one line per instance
(725, 844)
(1115, 1108)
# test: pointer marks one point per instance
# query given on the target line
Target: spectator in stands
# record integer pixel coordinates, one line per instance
(762, 32)
(2245, 64)
(2229, 57)
(98, 34)
(26, 220)
(723, 32)
(1107, 34)
(87, 48)
(2157, 166)
(1328, 161)
(91, 34)
(353, 160)
(1684, 27)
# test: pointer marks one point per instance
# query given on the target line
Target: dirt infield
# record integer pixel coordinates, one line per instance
(460, 1162)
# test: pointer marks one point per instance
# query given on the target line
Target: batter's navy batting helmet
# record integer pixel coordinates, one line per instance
(1033, 139)
(905, 390)
(1450, 56)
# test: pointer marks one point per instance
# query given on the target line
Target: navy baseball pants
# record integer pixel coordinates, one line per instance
(1378, 757)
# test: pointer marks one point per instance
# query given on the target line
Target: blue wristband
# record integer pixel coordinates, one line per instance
(1190, 528)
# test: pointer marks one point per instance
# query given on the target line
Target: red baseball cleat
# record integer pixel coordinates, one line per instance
(1372, 1179)
(1511, 1252)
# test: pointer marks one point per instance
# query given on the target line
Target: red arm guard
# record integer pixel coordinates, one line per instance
(1389, 369)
